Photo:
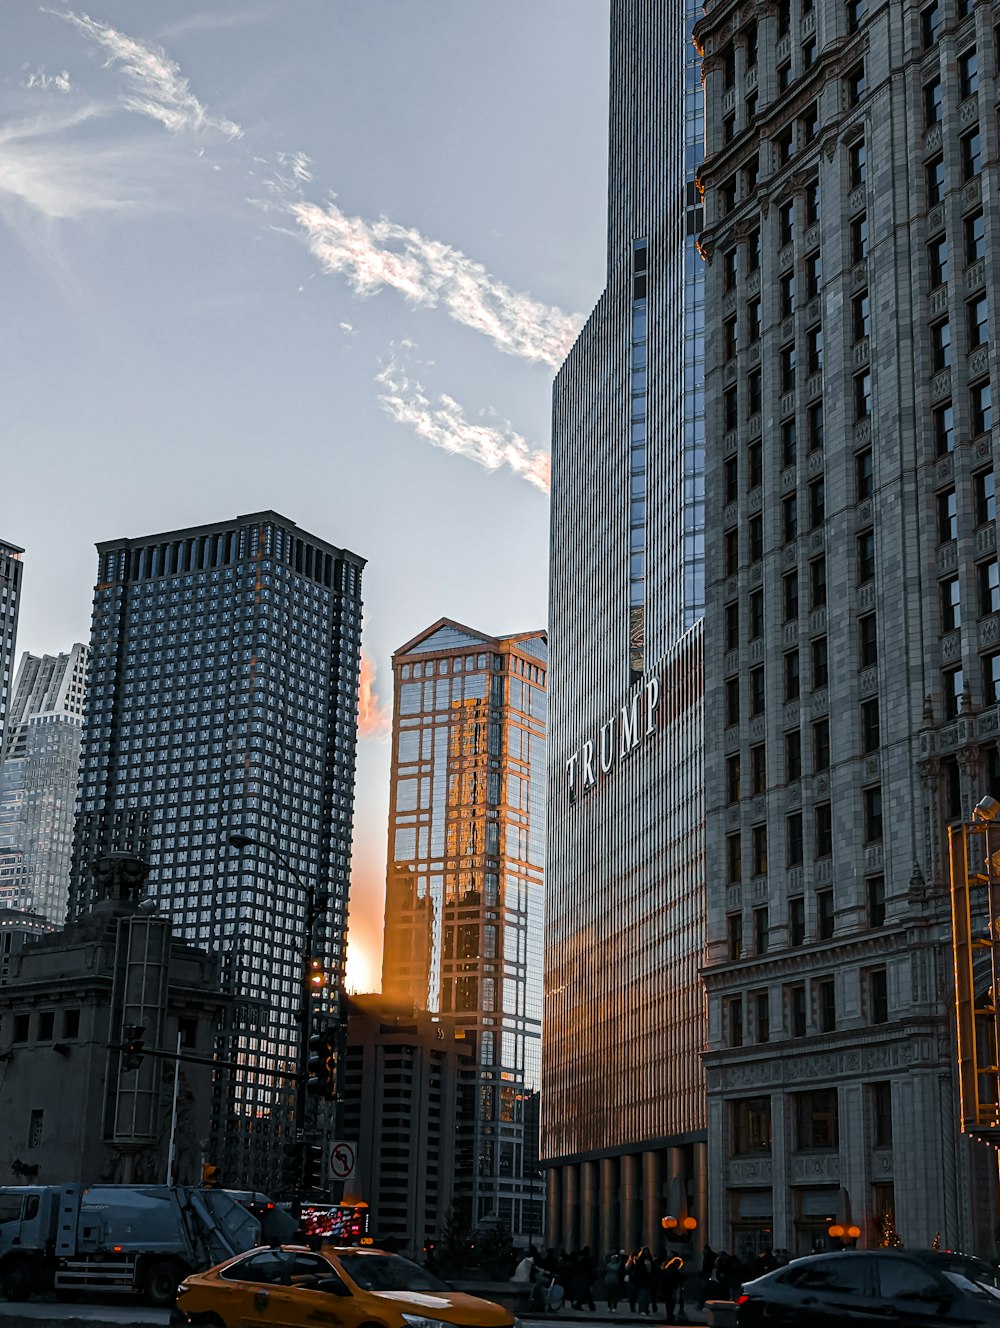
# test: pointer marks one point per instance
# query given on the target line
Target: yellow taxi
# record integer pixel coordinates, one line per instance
(289, 1286)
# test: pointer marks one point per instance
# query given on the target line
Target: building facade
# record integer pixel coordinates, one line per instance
(38, 781)
(11, 568)
(623, 1111)
(464, 892)
(409, 1103)
(18, 929)
(852, 629)
(222, 699)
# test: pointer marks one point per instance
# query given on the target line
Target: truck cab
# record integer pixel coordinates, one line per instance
(26, 1224)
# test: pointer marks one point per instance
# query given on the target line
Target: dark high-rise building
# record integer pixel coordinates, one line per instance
(623, 1111)
(10, 603)
(464, 893)
(853, 607)
(38, 781)
(222, 699)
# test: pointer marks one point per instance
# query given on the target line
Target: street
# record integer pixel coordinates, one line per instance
(41, 1313)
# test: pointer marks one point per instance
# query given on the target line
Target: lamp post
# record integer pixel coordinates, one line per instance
(317, 902)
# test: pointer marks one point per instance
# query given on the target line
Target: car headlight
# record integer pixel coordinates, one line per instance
(422, 1321)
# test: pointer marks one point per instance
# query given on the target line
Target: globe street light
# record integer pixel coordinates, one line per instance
(317, 902)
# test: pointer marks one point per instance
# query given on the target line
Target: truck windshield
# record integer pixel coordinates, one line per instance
(389, 1272)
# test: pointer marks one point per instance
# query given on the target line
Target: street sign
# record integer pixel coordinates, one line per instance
(342, 1159)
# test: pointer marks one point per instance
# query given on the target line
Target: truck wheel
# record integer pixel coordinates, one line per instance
(160, 1283)
(15, 1282)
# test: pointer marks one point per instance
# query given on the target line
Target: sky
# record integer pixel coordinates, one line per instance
(320, 256)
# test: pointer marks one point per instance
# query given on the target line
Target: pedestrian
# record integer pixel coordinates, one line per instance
(613, 1278)
(670, 1279)
(642, 1272)
(631, 1281)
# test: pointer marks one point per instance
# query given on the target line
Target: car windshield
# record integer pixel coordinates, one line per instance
(389, 1272)
(981, 1289)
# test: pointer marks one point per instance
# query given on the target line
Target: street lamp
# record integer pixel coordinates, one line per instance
(317, 902)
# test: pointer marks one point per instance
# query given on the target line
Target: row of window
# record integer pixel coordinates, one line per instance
(871, 801)
(806, 1008)
(814, 1120)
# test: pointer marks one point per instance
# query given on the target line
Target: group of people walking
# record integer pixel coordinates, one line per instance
(646, 1282)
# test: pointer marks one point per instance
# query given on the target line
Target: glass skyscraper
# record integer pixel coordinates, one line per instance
(38, 780)
(464, 891)
(10, 603)
(623, 1112)
(224, 663)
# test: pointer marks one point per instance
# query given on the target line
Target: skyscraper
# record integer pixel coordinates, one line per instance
(223, 699)
(10, 603)
(852, 629)
(38, 780)
(623, 1115)
(464, 894)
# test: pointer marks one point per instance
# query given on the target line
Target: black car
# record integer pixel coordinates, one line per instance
(874, 1289)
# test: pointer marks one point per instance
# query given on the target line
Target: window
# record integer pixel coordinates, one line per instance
(762, 1016)
(862, 395)
(817, 583)
(881, 1102)
(755, 464)
(855, 13)
(986, 497)
(954, 684)
(757, 691)
(46, 1025)
(753, 250)
(729, 127)
(788, 442)
(784, 144)
(859, 238)
(732, 625)
(816, 1119)
(981, 403)
(809, 123)
(991, 678)
(734, 932)
(937, 262)
(784, 75)
(869, 725)
(729, 68)
(750, 38)
(824, 830)
(755, 530)
(760, 927)
(71, 1024)
(944, 428)
(20, 1030)
(731, 409)
(751, 1118)
(733, 778)
(817, 503)
(824, 914)
(988, 578)
(934, 180)
(820, 670)
(808, 53)
(866, 556)
(731, 480)
(790, 596)
(947, 512)
(786, 223)
(811, 192)
(854, 84)
(930, 24)
(814, 274)
(784, 17)
(875, 892)
(861, 322)
(729, 339)
(951, 609)
(787, 369)
(727, 196)
(733, 1008)
(971, 145)
(932, 103)
(730, 551)
(754, 397)
(791, 676)
(786, 294)
(814, 426)
(864, 479)
(867, 641)
(730, 268)
(977, 323)
(796, 920)
(974, 233)
(826, 1004)
(857, 160)
(796, 996)
(732, 701)
(940, 345)
(789, 518)
(793, 840)
(821, 745)
(968, 73)
(758, 770)
(756, 614)
(878, 996)
(872, 804)
(753, 321)
(814, 349)
(793, 756)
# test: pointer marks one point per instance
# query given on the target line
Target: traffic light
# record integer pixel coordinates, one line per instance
(321, 1065)
(316, 975)
(209, 1176)
(312, 1178)
(134, 1043)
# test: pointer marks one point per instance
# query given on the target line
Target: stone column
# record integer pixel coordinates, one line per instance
(553, 1207)
(700, 1195)
(571, 1208)
(588, 1206)
(610, 1237)
(652, 1200)
(631, 1209)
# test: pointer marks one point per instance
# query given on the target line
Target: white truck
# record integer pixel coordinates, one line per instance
(115, 1238)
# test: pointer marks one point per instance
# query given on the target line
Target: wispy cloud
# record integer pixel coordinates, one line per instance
(373, 254)
(374, 718)
(38, 78)
(159, 90)
(443, 423)
(209, 22)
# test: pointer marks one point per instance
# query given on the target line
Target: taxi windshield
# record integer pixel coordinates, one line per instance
(388, 1272)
